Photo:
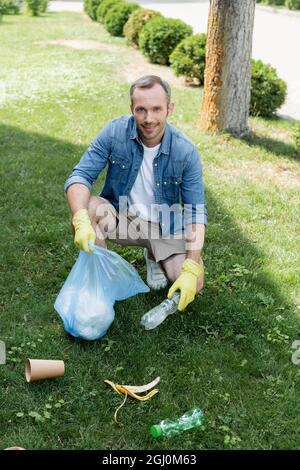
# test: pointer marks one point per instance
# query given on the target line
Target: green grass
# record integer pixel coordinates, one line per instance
(228, 353)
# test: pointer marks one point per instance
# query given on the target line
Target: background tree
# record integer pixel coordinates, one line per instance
(228, 66)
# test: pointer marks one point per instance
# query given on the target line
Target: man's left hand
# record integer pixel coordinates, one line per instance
(187, 283)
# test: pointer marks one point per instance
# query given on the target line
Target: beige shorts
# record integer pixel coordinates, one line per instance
(131, 230)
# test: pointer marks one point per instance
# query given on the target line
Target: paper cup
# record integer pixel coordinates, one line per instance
(39, 369)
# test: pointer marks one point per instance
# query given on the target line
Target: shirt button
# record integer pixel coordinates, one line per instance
(155, 164)
(165, 182)
(157, 184)
(113, 161)
(123, 166)
(176, 182)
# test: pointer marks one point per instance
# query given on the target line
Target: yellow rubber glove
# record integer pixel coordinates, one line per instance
(84, 231)
(186, 283)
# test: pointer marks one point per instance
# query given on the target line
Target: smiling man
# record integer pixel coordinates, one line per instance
(153, 194)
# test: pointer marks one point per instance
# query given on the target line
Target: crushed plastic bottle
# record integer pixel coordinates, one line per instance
(158, 314)
(168, 428)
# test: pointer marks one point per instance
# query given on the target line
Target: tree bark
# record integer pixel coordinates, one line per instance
(228, 66)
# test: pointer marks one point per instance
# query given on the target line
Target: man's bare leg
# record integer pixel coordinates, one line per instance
(172, 267)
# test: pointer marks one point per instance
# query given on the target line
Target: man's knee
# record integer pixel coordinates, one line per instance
(93, 205)
(102, 214)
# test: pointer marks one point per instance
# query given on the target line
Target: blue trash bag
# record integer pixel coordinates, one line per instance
(86, 300)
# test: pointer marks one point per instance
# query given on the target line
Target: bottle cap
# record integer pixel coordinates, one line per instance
(156, 431)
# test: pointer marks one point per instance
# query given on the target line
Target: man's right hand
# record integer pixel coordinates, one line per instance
(84, 231)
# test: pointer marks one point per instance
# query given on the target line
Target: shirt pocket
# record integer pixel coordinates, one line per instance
(119, 168)
(171, 188)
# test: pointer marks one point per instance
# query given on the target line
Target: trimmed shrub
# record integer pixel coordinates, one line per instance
(135, 24)
(188, 58)
(117, 17)
(268, 91)
(104, 7)
(160, 36)
(293, 4)
(35, 7)
(296, 135)
(90, 7)
(9, 7)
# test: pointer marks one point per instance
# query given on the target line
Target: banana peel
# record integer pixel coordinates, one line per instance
(134, 391)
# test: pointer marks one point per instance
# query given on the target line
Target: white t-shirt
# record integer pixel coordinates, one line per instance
(142, 193)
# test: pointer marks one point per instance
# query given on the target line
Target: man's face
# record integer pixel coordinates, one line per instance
(150, 109)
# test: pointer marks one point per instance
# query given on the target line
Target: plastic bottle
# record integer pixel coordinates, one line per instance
(158, 314)
(168, 428)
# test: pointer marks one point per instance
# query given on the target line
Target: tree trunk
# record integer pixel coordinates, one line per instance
(228, 66)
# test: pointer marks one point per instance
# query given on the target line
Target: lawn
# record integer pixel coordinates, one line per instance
(229, 353)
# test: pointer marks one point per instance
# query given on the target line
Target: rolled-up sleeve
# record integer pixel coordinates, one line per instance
(93, 161)
(192, 191)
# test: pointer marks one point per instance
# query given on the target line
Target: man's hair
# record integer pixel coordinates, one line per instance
(148, 81)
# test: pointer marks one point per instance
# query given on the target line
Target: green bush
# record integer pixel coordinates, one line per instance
(188, 58)
(268, 91)
(135, 24)
(35, 7)
(91, 7)
(117, 17)
(44, 6)
(2, 9)
(9, 7)
(293, 4)
(104, 7)
(160, 36)
(274, 2)
(296, 135)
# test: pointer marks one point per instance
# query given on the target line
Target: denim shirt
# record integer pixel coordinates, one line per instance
(177, 172)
